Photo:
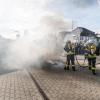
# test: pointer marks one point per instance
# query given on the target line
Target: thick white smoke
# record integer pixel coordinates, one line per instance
(37, 45)
(41, 40)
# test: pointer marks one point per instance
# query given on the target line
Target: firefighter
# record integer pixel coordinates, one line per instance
(70, 51)
(91, 56)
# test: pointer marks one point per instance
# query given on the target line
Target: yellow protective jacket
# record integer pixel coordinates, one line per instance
(70, 51)
(89, 53)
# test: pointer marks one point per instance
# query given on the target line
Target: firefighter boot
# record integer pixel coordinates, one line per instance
(66, 68)
(73, 68)
(89, 67)
(94, 72)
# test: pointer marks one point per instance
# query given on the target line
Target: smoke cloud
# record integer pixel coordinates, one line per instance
(31, 29)
(39, 43)
(38, 29)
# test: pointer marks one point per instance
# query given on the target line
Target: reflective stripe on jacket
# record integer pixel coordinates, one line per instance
(69, 51)
(91, 56)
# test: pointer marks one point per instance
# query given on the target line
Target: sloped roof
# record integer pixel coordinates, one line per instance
(84, 32)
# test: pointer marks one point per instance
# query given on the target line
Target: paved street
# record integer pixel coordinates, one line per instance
(18, 86)
(68, 85)
(50, 82)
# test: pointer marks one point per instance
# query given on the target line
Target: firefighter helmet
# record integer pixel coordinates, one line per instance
(93, 47)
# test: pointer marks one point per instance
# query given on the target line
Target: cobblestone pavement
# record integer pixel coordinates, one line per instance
(68, 85)
(18, 86)
(50, 82)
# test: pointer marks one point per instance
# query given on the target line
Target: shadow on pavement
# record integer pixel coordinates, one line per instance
(81, 73)
(6, 71)
(60, 69)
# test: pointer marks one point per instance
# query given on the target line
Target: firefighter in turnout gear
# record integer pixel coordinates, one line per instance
(91, 56)
(70, 52)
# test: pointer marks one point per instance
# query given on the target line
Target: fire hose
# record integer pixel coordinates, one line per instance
(83, 65)
(80, 65)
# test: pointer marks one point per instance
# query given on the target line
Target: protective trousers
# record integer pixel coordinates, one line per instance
(92, 65)
(70, 60)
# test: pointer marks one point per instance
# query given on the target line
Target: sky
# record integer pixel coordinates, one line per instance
(21, 15)
(84, 13)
